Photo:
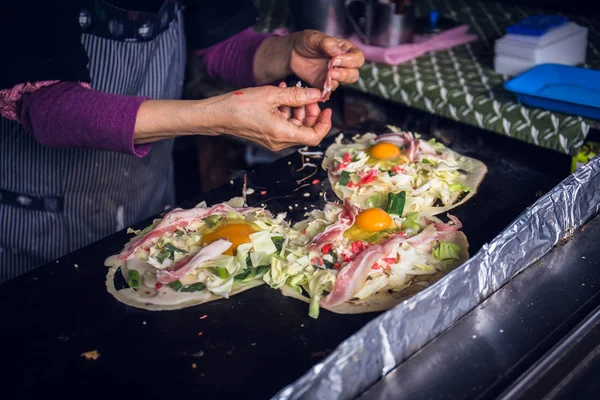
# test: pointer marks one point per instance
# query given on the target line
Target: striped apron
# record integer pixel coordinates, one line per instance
(54, 201)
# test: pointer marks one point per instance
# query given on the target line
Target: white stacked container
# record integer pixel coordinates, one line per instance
(566, 44)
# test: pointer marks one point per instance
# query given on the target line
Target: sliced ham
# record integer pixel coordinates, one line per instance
(332, 232)
(352, 276)
(327, 86)
(427, 149)
(177, 219)
(208, 253)
(434, 231)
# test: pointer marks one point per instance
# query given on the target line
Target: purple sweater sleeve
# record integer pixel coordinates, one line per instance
(66, 115)
(233, 59)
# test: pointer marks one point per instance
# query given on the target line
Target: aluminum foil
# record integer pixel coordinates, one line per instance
(386, 341)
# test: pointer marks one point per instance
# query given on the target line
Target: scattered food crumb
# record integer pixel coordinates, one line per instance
(249, 191)
(474, 336)
(296, 205)
(194, 365)
(231, 182)
(200, 333)
(301, 325)
(76, 265)
(315, 182)
(321, 194)
(144, 322)
(583, 284)
(263, 192)
(290, 207)
(312, 205)
(252, 344)
(306, 194)
(204, 316)
(583, 257)
(305, 208)
(263, 205)
(307, 159)
(57, 261)
(501, 330)
(91, 355)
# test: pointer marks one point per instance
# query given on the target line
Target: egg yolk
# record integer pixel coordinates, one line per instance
(236, 233)
(373, 220)
(384, 151)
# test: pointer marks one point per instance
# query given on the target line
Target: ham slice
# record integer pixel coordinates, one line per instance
(327, 86)
(332, 232)
(352, 276)
(176, 219)
(434, 231)
(208, 253)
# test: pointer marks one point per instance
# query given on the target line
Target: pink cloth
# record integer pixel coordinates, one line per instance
(66, 115)
(233, 59)
(422, 44)
(9, 98)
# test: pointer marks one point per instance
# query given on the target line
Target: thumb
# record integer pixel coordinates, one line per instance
(297, 97)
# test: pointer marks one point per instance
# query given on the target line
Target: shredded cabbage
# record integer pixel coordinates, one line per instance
(446, 251)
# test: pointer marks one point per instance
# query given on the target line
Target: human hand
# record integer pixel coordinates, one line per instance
(264, 115)
(311, 52)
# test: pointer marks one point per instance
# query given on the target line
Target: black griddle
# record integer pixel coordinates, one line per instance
(249, 346)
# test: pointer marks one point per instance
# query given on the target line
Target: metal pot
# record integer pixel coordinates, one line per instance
(328, 16)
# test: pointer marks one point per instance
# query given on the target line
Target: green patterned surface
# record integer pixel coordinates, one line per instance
(460, 83)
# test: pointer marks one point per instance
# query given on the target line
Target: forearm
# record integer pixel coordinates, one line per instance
(162, 119)
(272, 59)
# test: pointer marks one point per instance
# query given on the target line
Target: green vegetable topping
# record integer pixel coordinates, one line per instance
(221, 272)
(179, 233)
(175, 285)
(212, 220)
(194, 287)
(278, 242)
(426, 161)
(313, 308)
(446, 251)
(345, 178)
(163, 254)
(133, 279)
(459, 187)
(410, 224)
(396, 203)
(378, 200)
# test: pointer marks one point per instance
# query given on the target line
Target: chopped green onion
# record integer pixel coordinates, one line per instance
(175, 285)
(262, 269)
(221, 272)
(248, 260)
(278, 242)
(212, 220)
(344, 178)
(426, 161)
(396, 203)
(133, 279)
(172, 248)
(246, 275)
(179, 233)
(163, 254)
(194, 287)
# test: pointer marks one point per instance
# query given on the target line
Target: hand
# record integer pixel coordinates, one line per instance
(311, 52)
(263, 115)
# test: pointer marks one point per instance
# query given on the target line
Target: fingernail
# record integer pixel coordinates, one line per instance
(313, 94)
(335, 74)
(337, 62)
(337, 49)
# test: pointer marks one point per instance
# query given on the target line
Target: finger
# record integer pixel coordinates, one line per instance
(331, 46)
(312, 114)
(313, 136)
(285, 111)
(295, 121)
(300, 113)
(344, 75)
(296, 97)
(353, 58)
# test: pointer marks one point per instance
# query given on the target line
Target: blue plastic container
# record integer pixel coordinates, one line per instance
(537, 25)
(563, 88)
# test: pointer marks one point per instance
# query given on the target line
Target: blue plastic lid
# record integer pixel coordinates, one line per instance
(537, 25)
